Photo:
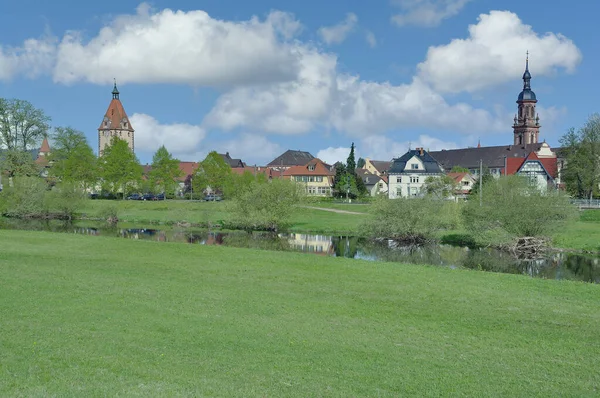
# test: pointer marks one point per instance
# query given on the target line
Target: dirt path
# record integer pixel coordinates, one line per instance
(333, 210)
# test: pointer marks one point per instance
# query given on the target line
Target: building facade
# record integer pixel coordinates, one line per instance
(115, 124)
(408, 173)
(316, 177)
(526, 127)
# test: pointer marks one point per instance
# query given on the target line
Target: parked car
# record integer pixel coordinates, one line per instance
(147, 196)
(134, 196)
(160, 196)
(212, 198)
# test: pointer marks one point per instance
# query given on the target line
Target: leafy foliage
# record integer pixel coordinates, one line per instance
(486, 177)
(440, 187)
(407, 220)
(513, 208)
(581, 172)
(266, 206)
(73, 159)
(15, 163)
(22, 126)
(459, 169)
(165, 171)
(360, 163)
(65, 199)
(119, 167)
(26, 197)
(213, 172)
(240, 184)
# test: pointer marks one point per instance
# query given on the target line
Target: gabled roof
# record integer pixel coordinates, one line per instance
(431, 165)
(514, 165)
(320, 169)
(491, 156)
(382, 166)
(368, 177)
(115, 117)
(230, 161)
(291, 158)
(458, 177)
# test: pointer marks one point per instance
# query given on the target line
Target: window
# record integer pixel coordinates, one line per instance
(414, 166)
(465, 183)
(399, 192)
(398, 179)
(380, 185)
(319, 178)
(311, 167)
(414, 180)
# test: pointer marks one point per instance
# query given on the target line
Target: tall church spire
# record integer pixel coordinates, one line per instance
(115, 124)
(526, 127)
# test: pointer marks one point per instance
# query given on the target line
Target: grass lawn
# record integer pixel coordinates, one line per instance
(83, 316)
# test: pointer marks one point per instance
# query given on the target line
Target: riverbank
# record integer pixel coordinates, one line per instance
(120, 317)
(582, 235)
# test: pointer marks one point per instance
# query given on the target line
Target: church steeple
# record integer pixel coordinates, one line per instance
(526, 127)
(115, 91)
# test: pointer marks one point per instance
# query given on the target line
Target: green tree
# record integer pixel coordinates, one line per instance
(361, 163)
(513, 208)
(213, 172)
(72, 158)
(440, 187)
(351, 162)
(243, 183)
(339, 179)
(25, 197)
(486, 177)
(119, 167)
(22, 126)
(459, 169)
(15, 163)
(165, 171)
(266, 207)
(581, 151)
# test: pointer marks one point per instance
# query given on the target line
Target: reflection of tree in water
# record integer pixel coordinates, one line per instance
(345, 246)
(256, 240)
(444, 255)
(578, 267)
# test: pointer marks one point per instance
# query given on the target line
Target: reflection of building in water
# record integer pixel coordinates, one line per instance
(319, 244)
(86, 231)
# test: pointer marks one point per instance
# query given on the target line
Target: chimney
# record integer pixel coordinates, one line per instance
(420, 151)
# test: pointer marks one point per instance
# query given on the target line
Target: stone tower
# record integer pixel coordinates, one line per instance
(115, 124)
(526, 127)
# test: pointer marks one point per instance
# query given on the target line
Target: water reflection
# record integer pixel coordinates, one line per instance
(553, 266)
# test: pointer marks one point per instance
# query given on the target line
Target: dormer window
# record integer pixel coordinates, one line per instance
(311, 167)
(414, 166)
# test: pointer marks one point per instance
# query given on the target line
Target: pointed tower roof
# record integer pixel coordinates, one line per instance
(115, 116)
(527, 94)
(45, 146)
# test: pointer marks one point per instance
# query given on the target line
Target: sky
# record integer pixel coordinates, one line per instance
(255, 78)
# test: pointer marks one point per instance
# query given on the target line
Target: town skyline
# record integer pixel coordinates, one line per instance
(319, 100)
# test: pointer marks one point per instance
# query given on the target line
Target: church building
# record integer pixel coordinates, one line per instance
(115, 124)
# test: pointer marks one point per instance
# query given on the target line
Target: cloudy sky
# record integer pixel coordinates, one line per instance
(258, 77)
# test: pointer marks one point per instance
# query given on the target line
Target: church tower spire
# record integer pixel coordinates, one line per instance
(115, 124)
(526, 127)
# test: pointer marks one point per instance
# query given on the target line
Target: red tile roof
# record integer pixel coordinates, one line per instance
(45, 146)
(320, 169)
(253, 170)
(115, 114)
(457, 176)
(514, 164)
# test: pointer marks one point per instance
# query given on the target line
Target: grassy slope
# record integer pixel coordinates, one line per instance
(85, 316)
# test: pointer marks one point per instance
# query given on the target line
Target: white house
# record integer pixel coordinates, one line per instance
(409, 172)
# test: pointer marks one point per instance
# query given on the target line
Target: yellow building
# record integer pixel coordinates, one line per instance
(316, 176)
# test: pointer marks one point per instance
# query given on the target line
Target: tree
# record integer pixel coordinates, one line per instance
(243, 183)
(361, 163)
(213, 173)
(165, 171)
(440, 187)
(15, 163)
(581, 172)
(486, 177)
(459, 169)
(350, 162)
(119, 167)
(266, 207)
(22, 126)
(512, 208)
(72, 158)
(339, 179)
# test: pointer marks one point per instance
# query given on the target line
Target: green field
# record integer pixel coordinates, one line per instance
(583, 234)
(85, 316)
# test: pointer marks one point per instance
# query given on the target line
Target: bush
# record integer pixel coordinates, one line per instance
(25, 198)
(110, 214)
(265, 207)
(65, 199)
(512, 208)
(408, 220)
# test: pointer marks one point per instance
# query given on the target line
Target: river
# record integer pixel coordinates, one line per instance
(555, 265)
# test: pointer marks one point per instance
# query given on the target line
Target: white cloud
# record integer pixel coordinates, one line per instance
(33, 58)
(182, 47)
(371, 39)
(426, 13)
(332, 155)
(336, 34)
(494, 53)
(251, 148)
(181, 139)
(385, 148)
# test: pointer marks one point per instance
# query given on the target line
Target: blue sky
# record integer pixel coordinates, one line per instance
(257, 78)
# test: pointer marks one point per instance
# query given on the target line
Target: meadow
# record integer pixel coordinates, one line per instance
(115, 317)
(582, 234)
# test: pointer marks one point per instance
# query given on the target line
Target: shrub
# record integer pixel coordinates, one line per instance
(25, 198)
(65, 199)
(265, 207)
(409, 220)
(512, 208)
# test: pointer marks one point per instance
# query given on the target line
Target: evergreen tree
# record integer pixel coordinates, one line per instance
(351, 162)
(361, 163)
(340, 175)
